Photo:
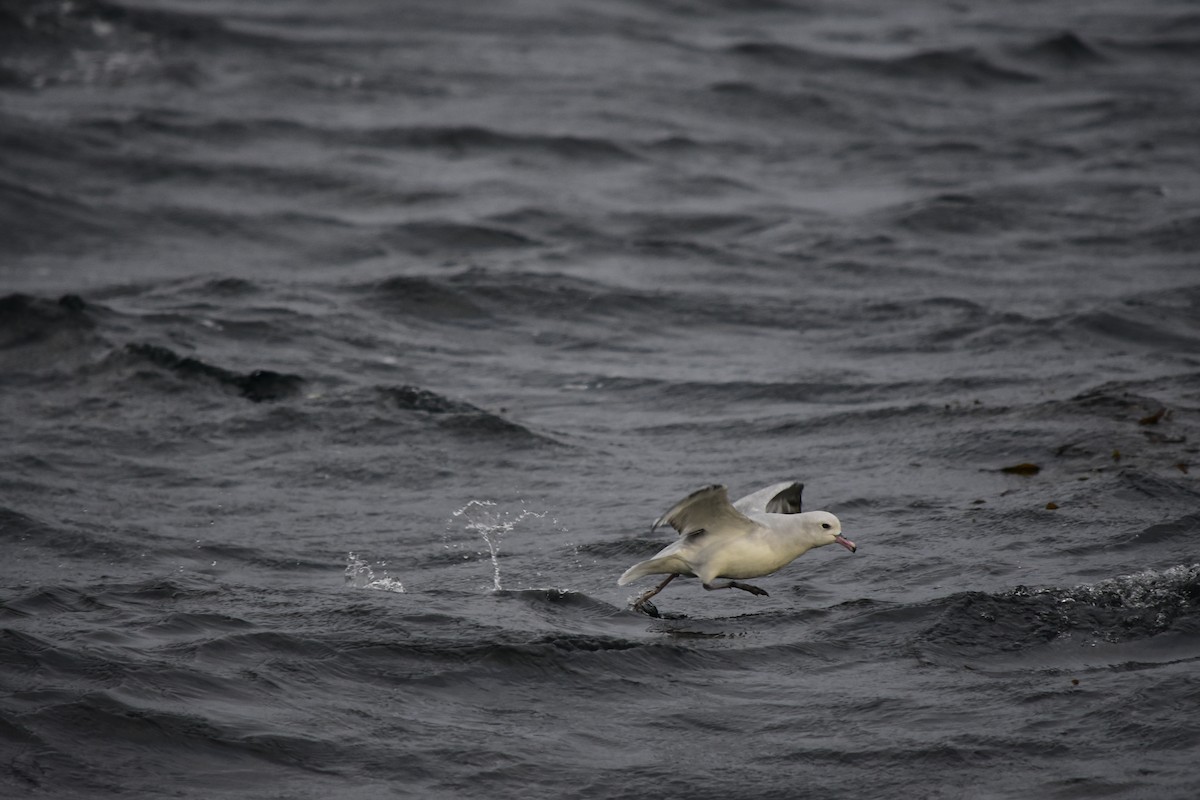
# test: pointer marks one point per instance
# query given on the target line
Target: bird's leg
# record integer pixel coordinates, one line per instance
(745, 587)
(641, 601)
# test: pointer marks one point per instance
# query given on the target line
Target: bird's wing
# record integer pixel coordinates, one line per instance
(780, 498)
(706, 510)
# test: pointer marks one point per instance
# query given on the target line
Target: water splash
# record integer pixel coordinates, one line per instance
(1177, 586)
(1128, 606)
(1174, 588)
(360, 575)
(492, 524)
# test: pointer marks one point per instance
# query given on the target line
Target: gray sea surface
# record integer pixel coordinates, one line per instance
(348, 351)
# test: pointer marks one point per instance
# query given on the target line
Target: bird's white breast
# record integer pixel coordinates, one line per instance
(759, 553)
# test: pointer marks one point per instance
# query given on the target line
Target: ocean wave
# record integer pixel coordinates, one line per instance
(442, 236)
(185, 627)
(225, 288)
(547, 652)
(16, 527)
(136, 734)
(939, 323)
(1112, 401)
(1125, 608)
(658, 226)
(249, 646)
(156, 591)
(460, 417)
(1178, 235)
(844, 391)
(425, 297)
(959, 214)
(1142, 487)
(494, 426)
(260, 385)
(99, 43)
(183, 125)
(749, 100)
(1160, 320)
(1175, 41)
(414, 398)
(27, 320)
(34, 219)
(76, 540)
(469, 140)
(1134, 327)
(965, 66)
(1180, 531)
(476, 295)
(1066, 50)
(447, 141)
(779, 54)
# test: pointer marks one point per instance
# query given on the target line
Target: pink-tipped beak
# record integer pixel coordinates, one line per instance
(846, 543)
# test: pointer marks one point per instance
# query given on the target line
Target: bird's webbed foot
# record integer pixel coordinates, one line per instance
(646, 607)
(643, 603)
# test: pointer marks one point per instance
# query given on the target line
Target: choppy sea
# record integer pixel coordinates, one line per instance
(348, 351)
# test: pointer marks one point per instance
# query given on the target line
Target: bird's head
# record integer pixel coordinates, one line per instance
(825, 529)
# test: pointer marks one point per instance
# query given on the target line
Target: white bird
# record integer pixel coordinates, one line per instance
(758, 535)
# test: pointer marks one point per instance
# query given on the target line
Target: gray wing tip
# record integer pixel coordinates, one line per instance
(787, 500)
(666, 518)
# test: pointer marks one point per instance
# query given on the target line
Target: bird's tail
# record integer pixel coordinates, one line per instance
(663, 565)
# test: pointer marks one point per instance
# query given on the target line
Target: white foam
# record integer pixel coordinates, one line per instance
(360, 575)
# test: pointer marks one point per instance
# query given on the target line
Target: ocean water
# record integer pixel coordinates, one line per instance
(348, 351)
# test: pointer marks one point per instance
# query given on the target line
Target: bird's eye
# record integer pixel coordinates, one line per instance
(826, 525)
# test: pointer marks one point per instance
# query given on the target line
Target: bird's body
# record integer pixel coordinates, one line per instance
(758, 535)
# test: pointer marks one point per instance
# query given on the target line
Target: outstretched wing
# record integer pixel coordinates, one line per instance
(706, 510)
(780, 498)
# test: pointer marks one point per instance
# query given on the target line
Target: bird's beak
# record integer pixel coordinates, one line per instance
(846, 543)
